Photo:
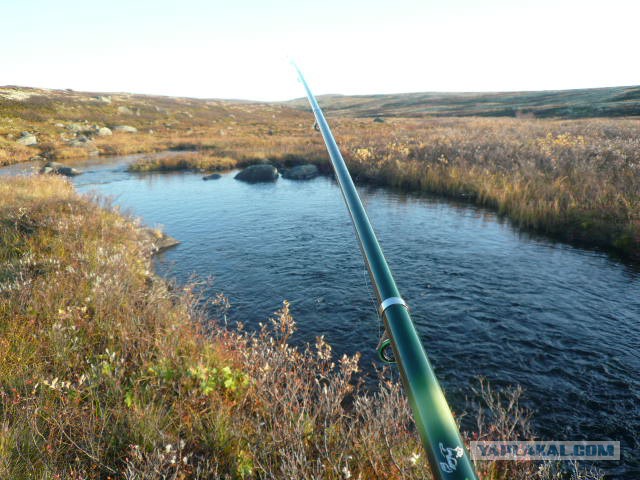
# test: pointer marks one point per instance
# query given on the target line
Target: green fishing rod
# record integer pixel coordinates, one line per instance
(441, 439)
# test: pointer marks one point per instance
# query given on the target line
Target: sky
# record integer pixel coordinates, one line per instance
(242, 49)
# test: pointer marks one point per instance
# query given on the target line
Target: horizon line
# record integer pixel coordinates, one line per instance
(246, 100)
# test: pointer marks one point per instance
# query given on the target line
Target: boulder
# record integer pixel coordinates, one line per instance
(159, 240)
(27, 139)
(80, 141)
(76, 127)
(258, 173)
(125, 128)
(301, 172)
(104, 132)
(125, 111)
(378, 120)
(213, 176)
(103, 99)
(59, 169)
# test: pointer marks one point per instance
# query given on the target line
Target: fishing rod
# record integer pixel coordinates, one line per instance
(441, 439)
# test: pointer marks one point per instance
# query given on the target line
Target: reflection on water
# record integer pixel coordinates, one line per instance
(560, 321)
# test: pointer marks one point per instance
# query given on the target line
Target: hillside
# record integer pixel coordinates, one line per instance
(593, 102)
(65, 124)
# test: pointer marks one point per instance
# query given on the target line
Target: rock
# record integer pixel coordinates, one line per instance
(124, 111)
(80, 141)
(301, 172)
(59, 125)
(213, 176)
(125, 128)
(258, 173)
(27, 139)
(378, 120)
(103, 99)
(104, 132)
(160, 241)
(75, 127)
(60, 169)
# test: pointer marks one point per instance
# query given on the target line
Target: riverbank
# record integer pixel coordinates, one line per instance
(575, 180)
(126, 378)
(580, 186)
(200, 161)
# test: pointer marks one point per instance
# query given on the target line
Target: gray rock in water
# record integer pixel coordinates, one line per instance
(258, 173)
(301, 172)
(59, 169)
(213, 176)
(125, 128)
(27, 139)
(104, 132)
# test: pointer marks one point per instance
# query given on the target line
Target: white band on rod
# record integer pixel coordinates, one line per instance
(387, 302)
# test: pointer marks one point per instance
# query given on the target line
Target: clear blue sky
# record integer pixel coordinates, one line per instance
(240, 48)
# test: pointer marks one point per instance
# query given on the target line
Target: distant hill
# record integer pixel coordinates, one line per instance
(592, 102)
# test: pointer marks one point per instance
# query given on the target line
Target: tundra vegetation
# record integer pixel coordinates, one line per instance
(108, 372)
(577, 180)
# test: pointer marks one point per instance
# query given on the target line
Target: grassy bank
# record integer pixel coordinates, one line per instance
(106, 372)
(194, 161)
(578, 181)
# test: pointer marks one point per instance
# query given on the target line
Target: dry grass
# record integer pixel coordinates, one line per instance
(12, 152)
(576, 180)
(105, 372)
(202, 161)
(128, 143)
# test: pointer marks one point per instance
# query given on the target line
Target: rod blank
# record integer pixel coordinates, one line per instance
(441, 439)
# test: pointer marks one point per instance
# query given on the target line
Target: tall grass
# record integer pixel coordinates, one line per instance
(578, 181)
(201, 161)
(106, 372)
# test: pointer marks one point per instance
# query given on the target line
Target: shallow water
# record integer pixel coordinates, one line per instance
(488, 301)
